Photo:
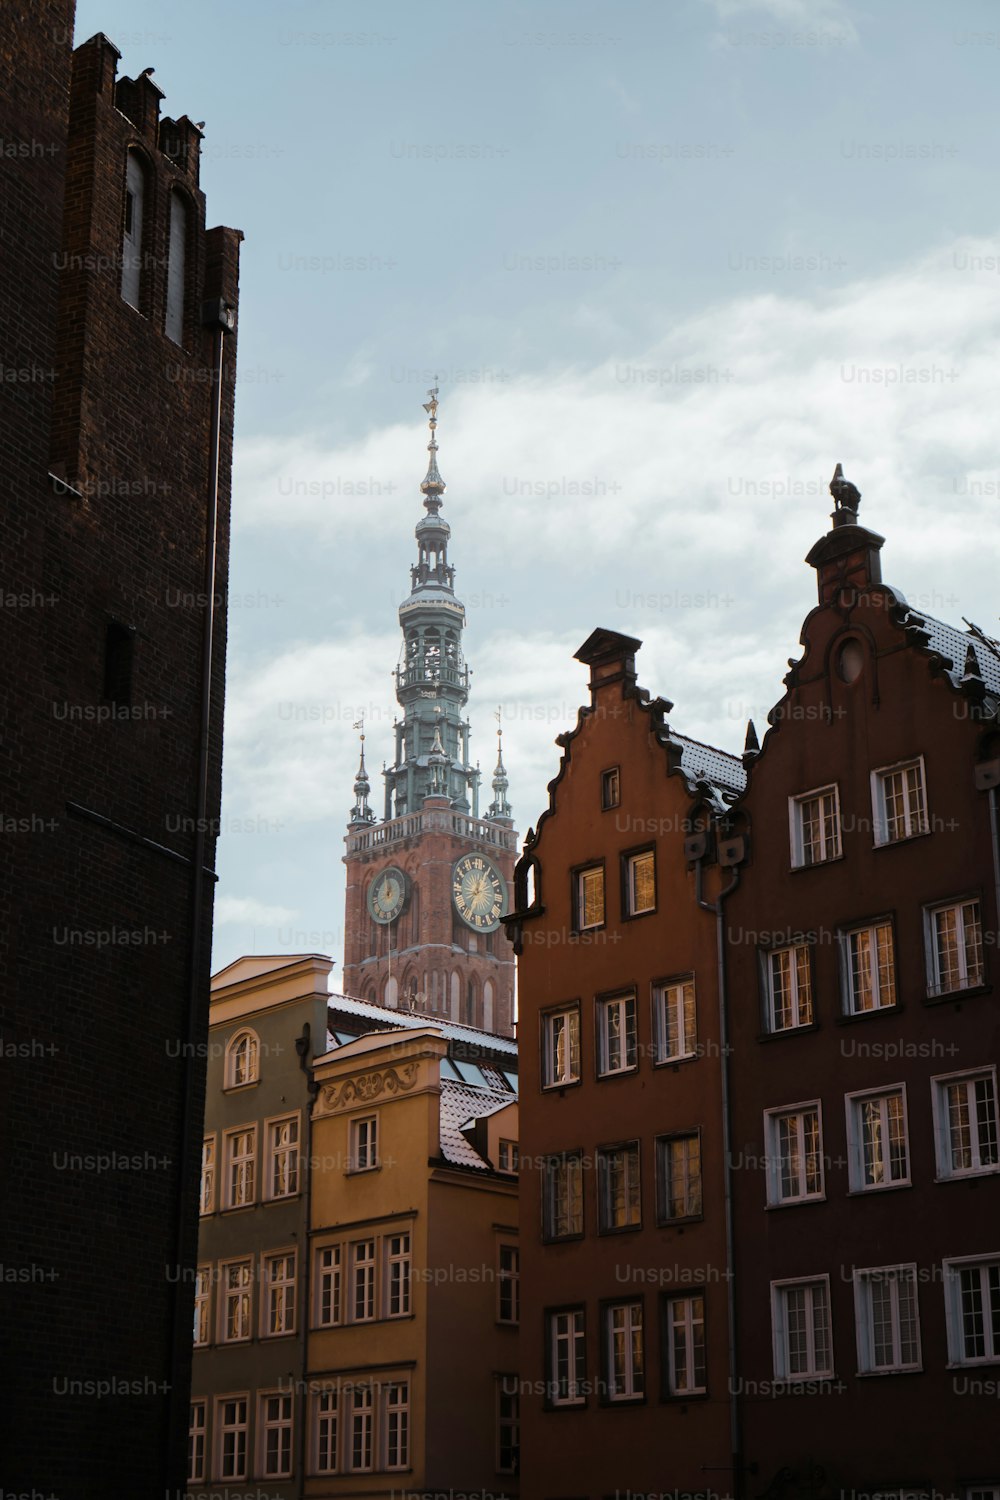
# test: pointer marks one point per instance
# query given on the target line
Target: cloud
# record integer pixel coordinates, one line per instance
(233, 909)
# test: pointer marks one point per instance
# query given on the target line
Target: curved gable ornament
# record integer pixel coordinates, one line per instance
(368, 1087)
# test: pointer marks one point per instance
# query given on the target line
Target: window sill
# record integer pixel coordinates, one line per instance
(628, 1072)
(882, 1187)
(798, 1202)
(238, 1088)
(893, 1370)
(557, 1088)
(955, 997)
(563, 1239)
(609, 1403)
(620, 1229)
(634, 916)
(676, 1062)
(971, 1176)
(907, 838)
(362, 1171)
(681, 1222)
(846, 1018)
(819, 864)
(972, 1364)
(681, 1398)
(786, 1031)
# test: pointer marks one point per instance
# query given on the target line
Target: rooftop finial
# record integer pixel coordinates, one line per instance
(361, 812)
(846, 498)
(500, 807)
(433, 486)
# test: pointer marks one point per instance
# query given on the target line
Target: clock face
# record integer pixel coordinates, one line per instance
(479, 892)
(387, 894)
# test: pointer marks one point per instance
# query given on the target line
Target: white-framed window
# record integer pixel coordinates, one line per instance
(507, 1157)
(623, 1351)
(326, 1431)
(983, 1492)
(794, 1150)
(674, 1020)
(814, 827)
(135, 193)
(588, 897)
(282, 1179)
(899, 804)
(887, 1319)
(617, 1047)
(619, 1202)
(232, 1430)
(800, 1323)
(611, 789)
(562, 1188)
(176, 268)
(567, 1357)
(954, 939)
(202, 1305)
(242, 1059)
(509, 1284)
(787, 987)
(396, 1424)
(868, 967)
(362, 1281)
(240, 1165)
(678, 1176)
(640, 883)
(197, 1432)
(274, 1434)
(508, 1424)
(878, 1154)
(397, 1275)
(329, 1292)
(278, 1312)
(207, 1195)
(237, 1299)
(972, 1309)
(684, 1334)
(966, 1125)
(364, 1143)
(561, 1047)
(362, 1429)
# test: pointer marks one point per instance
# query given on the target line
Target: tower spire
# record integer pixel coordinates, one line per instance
(433, 486)
(499, 807)
(361, 812)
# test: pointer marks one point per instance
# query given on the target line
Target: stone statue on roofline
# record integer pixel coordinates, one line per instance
(846, 496)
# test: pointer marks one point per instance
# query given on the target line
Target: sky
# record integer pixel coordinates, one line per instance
(670, 261)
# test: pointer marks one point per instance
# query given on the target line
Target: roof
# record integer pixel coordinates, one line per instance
(952, 644)
(452, 1031)
(459, 1106)
(723, 772)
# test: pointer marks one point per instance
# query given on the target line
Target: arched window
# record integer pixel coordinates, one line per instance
(176, 267)
(456, 990)
(242, 1059)
(135, 197)
(488, 1005)
(470, 1003)
(414, 915)
(391, 996)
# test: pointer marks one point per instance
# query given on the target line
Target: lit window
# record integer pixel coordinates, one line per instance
(678, 1176)
(508, 1425)
(363, 1270)
(965, 1123)
(196, 1441)
(640, 883)
(815, 827)
(954, 935)
(241, 1157)
(623, 1351)
(618, 1182)
(283, 1157)
(202, 1304)
(364, 1144)
(561, 1047)
(610, 788)
(794, 1147)
(684, 1319)
(616, 1034)
(396, 1424)
(207, 1199)
(242, 1060)
(589, 898)
(868, 968)
(279, 1295)
(329, 1288)
(237, 1279)
(788, 987)
(176, 268)
(898, 802)
(803, 1342)
(972, 1304)
(563, 1197)
(876, 1137)
(397, 1260)
(509, 1285)
(326, 1414)
(567, 1358)
(674, 1026)
(885, 1302)
(275, 1436)
(231, 1428)
(135, 185)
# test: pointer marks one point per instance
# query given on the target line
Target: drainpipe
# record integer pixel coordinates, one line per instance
(303, 1404)
(735, 1431)
(219, 316)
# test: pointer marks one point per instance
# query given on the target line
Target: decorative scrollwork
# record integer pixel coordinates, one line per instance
(368, 1087)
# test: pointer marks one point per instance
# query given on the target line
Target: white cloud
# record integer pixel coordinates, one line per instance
(240, 909)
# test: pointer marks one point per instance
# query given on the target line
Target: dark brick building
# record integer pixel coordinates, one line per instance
(116, 311)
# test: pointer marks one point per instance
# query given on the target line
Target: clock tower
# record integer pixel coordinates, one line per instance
(428, 884)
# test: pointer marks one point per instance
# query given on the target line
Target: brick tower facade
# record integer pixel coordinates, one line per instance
(117, 308)
(428, 886)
